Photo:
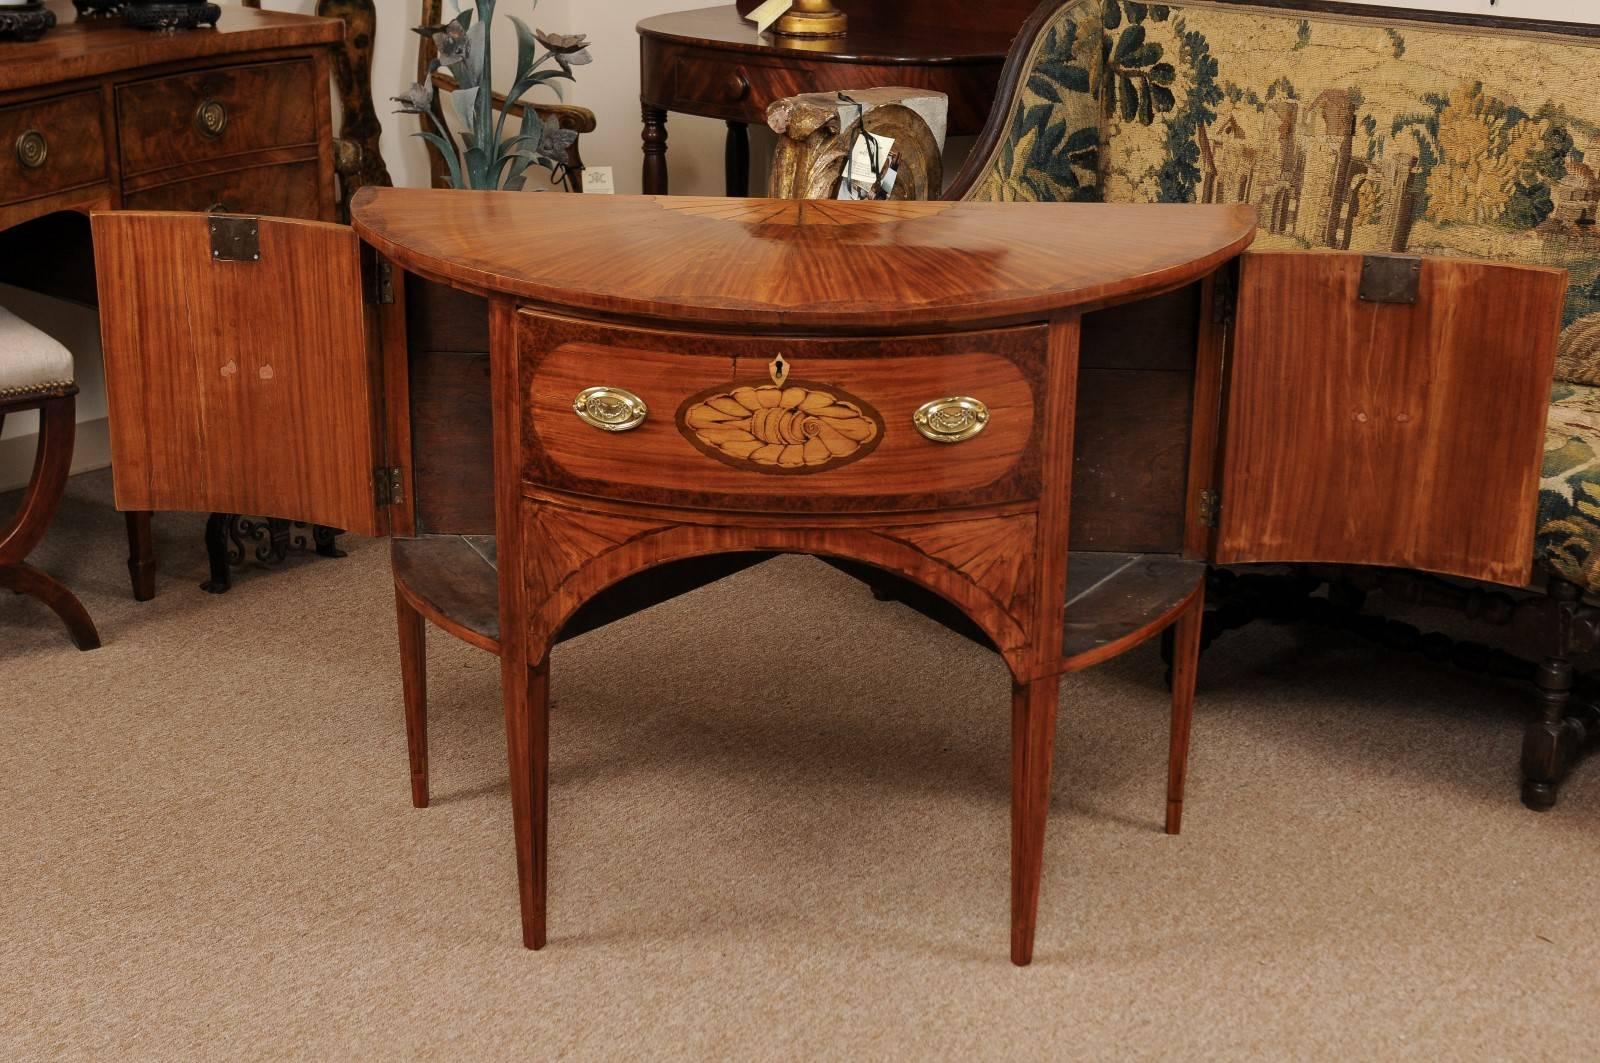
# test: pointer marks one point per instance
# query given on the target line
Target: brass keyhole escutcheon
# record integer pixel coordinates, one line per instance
(211, 118)
(951, 420)
(32, 149)
(610, 409)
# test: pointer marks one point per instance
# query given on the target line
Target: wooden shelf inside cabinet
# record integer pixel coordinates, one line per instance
(453, 581)
(1116, 601)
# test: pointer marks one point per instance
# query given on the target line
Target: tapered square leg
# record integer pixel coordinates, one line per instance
(414, 680)
(1185, 667)
(1033, 739)
(527, 703)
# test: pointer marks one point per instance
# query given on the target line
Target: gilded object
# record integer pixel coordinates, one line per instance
(817, 130)
(770, 428)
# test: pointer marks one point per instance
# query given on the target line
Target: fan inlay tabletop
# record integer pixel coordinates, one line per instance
(761, 262)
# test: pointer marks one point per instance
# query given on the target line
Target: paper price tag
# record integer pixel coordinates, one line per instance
(597, 181)
(862, 171)
(768, 13)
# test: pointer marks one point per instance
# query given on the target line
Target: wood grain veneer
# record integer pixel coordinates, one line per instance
(762, 264)
(1347, 420)
(261, 395)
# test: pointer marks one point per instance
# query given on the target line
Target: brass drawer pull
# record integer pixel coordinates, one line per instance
(32, 149)
(951, 420)
(610, 409)
(211, 118)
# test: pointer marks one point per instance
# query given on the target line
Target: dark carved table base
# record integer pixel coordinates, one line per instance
(1567, 717)
(171, 16)
(26, 24)
(233, 540)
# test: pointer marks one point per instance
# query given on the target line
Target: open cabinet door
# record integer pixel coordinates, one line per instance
(241, 367)
(1384, 410)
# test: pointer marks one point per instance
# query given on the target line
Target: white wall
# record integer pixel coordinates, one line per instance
(609, 87)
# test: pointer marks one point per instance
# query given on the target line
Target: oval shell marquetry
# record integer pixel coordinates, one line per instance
(799, 428)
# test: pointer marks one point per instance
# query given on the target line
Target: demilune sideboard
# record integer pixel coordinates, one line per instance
(1045, 419)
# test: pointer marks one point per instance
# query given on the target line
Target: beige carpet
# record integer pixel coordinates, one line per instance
(779, 832)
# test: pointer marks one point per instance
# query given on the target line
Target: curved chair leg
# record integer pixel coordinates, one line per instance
(25, 579)
(52, 462)
(1185, 666)
(414, 678)
(1033, 739)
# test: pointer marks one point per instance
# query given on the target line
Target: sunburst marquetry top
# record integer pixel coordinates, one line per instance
(789, 263)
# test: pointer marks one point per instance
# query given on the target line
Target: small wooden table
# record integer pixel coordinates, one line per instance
(710, 62)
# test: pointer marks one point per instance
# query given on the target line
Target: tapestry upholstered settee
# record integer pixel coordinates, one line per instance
(1361, 133)
(1364, 130)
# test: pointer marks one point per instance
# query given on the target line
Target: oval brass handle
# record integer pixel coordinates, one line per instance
(951, 420)
(219, 207)
(32, 149)
(211, 118)
(610, 409)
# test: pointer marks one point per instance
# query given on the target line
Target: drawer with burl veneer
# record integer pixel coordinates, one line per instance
(213, 114)
(51, 146)
(760, 423)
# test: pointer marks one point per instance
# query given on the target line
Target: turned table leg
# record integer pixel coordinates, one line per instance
(527, 702)
(655, 151)
(141, 556)
(737, 160)
(414, 681)
(1033, 736)
(1541, 745)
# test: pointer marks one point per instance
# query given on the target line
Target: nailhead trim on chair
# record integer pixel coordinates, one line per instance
(41, 391)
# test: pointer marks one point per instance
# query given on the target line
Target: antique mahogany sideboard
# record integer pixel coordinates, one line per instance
(710, 62)
(97, 115)
(1045, 418)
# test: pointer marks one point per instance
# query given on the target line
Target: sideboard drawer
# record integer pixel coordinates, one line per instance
(285, 191)
(51, 146)
(705, 83)
(212, 114)
(721, 434)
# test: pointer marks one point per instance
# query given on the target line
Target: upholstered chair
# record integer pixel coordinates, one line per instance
(36, 373)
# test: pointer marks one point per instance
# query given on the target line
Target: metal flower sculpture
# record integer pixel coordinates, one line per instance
(480, 154)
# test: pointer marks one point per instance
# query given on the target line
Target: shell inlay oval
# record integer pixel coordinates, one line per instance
(766, 428)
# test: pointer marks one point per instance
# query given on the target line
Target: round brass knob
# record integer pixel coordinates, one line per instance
(211, 118)
(610, 409)
(738, 86)
(32, 149)
(951, 420)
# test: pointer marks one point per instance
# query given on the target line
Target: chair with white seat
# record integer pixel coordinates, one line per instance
(36, 373)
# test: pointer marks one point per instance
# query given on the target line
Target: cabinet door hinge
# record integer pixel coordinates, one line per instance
(1225, 294)
(1210, 507)
(381, 290)
(388, 488)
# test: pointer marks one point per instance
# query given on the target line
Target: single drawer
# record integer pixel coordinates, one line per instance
(706, 85)
(51, 146)
(283, 191)
(211, 114)
(837, 435)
